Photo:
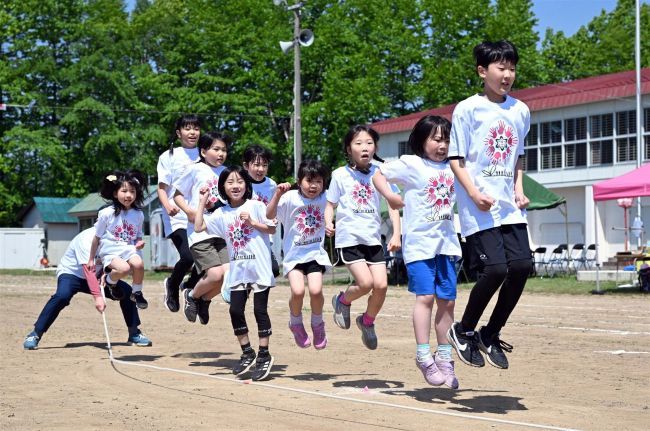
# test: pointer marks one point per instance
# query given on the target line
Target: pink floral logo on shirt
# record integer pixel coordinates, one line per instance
(500, 142)
(309, 220)
(362, 194)
(239, 234)
(213, 186)
(261, 198)
(440, 191)
(126, 232)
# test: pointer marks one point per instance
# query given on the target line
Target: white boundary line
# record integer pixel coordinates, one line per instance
(621, 352)
(322, 394)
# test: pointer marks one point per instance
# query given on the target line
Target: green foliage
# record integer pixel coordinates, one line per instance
(104, 86)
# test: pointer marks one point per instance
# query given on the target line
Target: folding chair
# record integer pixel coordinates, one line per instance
(577, 257)
(558, 260)
(539, 261)
(590, 256)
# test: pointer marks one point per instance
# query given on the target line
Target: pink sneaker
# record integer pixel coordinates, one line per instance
(447, 368)
(300, 335)
(320, 339)
(431, 373)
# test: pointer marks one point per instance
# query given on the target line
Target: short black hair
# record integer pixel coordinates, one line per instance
(254, 152)
(486, 53)
(207, 139)
(313, 168)
(425, 128)
(239, 170)
(113, 182)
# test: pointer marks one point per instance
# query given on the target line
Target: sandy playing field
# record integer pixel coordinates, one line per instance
(580, 362)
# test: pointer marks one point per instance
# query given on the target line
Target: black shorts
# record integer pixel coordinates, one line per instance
(498, 245)
(309, 267)
(370, 254)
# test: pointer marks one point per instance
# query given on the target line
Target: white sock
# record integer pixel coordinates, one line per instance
(109, 280)
(136, 287)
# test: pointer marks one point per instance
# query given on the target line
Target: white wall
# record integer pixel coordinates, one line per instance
(33, 218)
(20, 248)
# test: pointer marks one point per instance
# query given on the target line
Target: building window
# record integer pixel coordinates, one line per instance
(551, 132)
(575, 129)
(530, 160)
(531, 137)
(601, 125)
(625, 122)
(575, 155)
(625, 149)
(551, 157)
(602, 152)
(403, 148)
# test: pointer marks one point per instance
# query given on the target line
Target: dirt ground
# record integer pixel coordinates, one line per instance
(580, 362)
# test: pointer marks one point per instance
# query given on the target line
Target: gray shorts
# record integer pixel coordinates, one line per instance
(209, 253)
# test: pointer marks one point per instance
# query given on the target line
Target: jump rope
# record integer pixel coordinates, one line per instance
(97, 290)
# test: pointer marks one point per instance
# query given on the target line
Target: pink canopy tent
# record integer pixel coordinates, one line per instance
(631, 185)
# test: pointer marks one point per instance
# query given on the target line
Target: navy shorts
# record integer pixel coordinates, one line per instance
(498, 245)
(436, 276)
(370, 254)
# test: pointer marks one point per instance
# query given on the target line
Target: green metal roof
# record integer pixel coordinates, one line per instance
(55, 210)
(93, 202)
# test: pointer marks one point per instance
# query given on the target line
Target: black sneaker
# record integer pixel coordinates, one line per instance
(246, 360)
(191, 308)
(139, 300)
(466, 345)
(262, 367)
(112, 291)
(171, 297)
(203, 312)
(493, 350)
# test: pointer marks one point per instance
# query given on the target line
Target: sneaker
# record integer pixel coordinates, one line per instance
(203, 311)
(262, 368)
(431, 373)
(246, 360)
(31, 341)
(225, 294)
(494, 350)
(466, 345)
(447, 369)
(300, 335)
(139, 300)
(139, 340)
(191, 308)
(320, 339)
(368, 335)
(171, 297)
(341, 312)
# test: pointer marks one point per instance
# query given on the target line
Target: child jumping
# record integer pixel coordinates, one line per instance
(208, 251)
(243, 223)
(486, 145)
(171, 164)
(358, 237)
(256, 162)
(430, 244)
(118, 232)
(301, 212)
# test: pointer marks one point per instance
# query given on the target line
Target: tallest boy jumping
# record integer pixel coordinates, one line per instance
(486, 145)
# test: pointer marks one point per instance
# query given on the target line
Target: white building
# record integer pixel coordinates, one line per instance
(582, 132)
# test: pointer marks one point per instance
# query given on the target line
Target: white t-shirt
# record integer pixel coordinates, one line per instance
(76, 254)
(304, 230)
(189, 184)
(358, 220)
(248, 248)
(264, 191)
(428, 228)
(170, 167)
(490, 137)
(118, 233)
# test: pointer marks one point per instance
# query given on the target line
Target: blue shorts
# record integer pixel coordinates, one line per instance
(436, 276)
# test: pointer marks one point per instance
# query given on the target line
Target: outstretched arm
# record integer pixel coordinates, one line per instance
(179, 199)
(395, 242)
(329, 219)
(93, 250)
(381, 184)
(168, 205)
(199, 223)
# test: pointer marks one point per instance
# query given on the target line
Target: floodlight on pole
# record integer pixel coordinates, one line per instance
(301, 37)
